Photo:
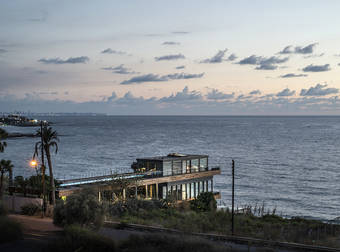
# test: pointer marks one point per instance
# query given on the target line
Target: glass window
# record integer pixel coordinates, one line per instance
(196, 189)
(188, 191)
(188, 166)
(192, 190)
(203, 164)
(177, 167)
(184, 166)
(194, 165)
(167, 168)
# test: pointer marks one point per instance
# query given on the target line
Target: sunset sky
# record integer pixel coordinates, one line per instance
(170, 57)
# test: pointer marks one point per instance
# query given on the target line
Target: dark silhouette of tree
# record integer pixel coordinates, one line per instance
(5, 166)
(3, 144)
(50, 140)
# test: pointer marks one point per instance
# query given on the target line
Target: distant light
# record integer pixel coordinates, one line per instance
(33, 163)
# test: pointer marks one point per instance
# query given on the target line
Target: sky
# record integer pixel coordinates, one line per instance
(170, 57)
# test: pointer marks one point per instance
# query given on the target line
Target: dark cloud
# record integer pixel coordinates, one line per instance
(214, 94)
(319, 90)
(180, 32)
(217, 58)
(232, 57)
(3, 50)
(170, 57)
(112, 97)
(185, 96)
(119, 69)
(263, 63)
(286, 92)
(293, 75)
(158, 78)
(314, 56)
(309, 49)
(255, 92)
(170, 43)
(42, 18)
(72, 60)
(317, 68)
(180, 67)
(110, 51)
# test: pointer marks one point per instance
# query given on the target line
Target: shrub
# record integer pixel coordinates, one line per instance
(81, 208)
(204, 202)
(77, 238)
(30, 209)
(10, 230)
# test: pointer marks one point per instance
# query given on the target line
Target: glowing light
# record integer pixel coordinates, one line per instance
(33, 163)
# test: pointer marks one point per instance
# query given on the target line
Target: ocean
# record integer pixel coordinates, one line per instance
(288, 163)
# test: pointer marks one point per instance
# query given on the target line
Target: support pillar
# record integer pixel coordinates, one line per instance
(157, 197)
(146, 191)
(99, 196)
(124, 193)
(136, 193)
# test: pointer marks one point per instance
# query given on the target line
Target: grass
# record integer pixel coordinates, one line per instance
(76, 238)
(266, 226)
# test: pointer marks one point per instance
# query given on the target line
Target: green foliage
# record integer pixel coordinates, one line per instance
(10, 230)
(77, 238)
(30, 209)
(3, 144)
(204, 202)
(81, 208)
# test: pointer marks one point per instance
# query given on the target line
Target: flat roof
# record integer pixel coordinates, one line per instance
(173, 156)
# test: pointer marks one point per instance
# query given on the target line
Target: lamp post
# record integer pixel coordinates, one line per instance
(42, 169)
(34, 164)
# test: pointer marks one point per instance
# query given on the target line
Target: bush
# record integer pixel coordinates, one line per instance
(204, 202)
(30, 209)
(79, 239)
(81, 208)
(10, 230)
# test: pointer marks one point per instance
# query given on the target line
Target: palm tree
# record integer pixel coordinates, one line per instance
(49, 140)
(5, 166)
(3, 135)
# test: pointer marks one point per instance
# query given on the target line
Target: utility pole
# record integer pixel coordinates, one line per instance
(233, 197)
(42, 169)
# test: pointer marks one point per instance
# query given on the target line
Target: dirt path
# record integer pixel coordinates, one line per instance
(37, 233)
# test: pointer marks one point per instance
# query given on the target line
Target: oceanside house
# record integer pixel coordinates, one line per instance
(179, 176)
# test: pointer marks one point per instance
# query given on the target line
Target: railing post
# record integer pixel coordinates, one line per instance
(233, 197)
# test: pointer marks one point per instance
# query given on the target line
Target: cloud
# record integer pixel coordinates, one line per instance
(72, 60)
(180, 67)
(309, 49)
(180, 32)
(170, 57)
(119, 69)
(217, 58)
(3, 50)
(255, 92)
(112, 97)
(42, 18)
(158, 78)
(214, 94)
(185, 96)
(170, 43)
(317, 68)
(232, 57)
(314, 56)
(263, 63)
(286, 92)
(319, 90)
(110, 51)
(293, 75)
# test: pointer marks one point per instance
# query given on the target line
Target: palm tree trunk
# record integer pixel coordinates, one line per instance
(1, 182)
(49, 161)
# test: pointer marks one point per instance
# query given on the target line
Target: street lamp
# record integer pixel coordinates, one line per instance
(34, 164)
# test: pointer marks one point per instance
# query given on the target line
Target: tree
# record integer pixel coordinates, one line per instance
(49, 140)
(5, 166)
(3, 144)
